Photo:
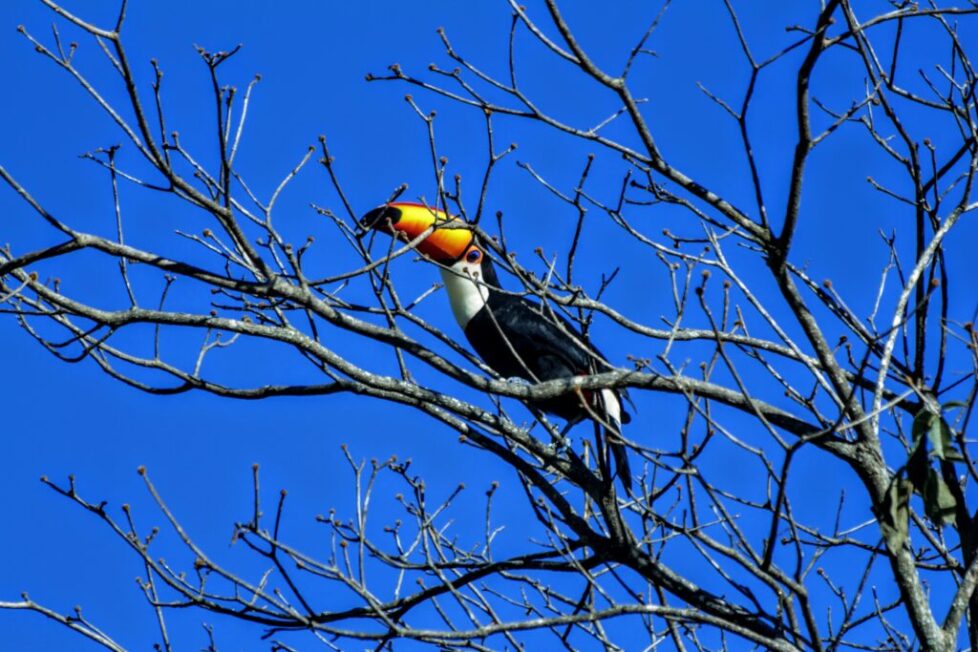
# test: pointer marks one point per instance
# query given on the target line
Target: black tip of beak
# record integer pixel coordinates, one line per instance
(380, 217)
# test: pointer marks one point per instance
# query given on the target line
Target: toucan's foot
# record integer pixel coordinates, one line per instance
(560, 444)
(516, 380)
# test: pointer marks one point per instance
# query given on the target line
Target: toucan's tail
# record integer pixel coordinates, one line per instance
(613, 416)
(620, 453)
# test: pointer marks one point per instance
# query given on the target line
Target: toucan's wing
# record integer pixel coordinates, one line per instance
(549, 328)
(524, 342)
(583, 360)
(553, 348)
(554, 335)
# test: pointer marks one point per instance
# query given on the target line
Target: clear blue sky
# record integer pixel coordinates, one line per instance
(60, 419)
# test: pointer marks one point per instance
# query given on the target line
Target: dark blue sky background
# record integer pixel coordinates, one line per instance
(60, 419)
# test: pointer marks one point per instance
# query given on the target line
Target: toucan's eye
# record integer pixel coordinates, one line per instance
(473, 256)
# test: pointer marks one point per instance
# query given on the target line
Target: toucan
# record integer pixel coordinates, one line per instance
(514, 336)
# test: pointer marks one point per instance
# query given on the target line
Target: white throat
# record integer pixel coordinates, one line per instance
(465, 295)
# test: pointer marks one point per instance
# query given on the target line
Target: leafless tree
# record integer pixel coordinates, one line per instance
(769, 379)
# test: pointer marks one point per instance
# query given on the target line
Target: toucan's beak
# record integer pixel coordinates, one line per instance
(447, 242)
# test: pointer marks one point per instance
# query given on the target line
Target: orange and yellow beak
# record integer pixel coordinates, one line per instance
(448, 241)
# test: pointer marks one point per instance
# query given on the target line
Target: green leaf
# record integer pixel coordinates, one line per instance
(921, 426)
(939, 502)
(954, 404)
(917, 467)
(950, 451)
(893, 512)
(939, 435)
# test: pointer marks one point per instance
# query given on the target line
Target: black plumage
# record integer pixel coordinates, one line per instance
(517, 338)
